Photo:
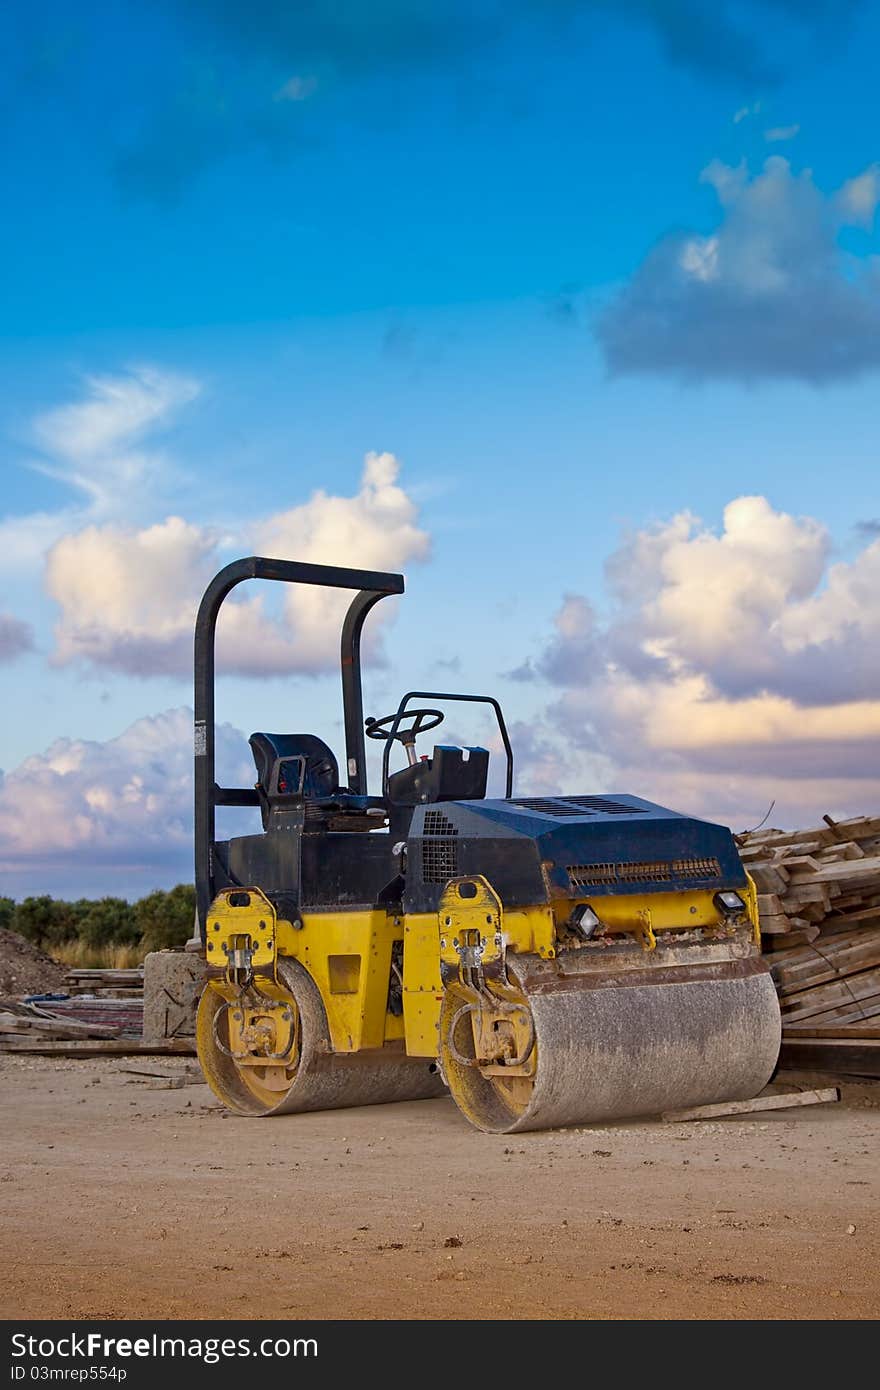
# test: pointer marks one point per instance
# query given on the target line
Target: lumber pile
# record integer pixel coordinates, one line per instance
(819, 906)
(125, 1015)
(29, 1023)
(71, 1027)
(115, 984)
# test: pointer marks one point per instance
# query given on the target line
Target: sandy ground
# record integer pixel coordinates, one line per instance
(120, 1199)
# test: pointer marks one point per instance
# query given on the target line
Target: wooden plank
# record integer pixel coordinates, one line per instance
(59, 1027)
(770, 905)
(106, 991)
(118, 1047)
(858, 983)
(861, 914)
(839, 1030)
(811, 893)
(109, 979)
(831, 961)
(801, 862)
(850, 873)
(193, 1072)
(749, 1107)
(857, 1011)
(793, 938)
(843, 1056)
(777, 925)
(857, 828)
(832, 853)
(822, 997)
(767, 879)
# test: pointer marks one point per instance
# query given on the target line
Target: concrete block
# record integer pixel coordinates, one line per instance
(173, 982)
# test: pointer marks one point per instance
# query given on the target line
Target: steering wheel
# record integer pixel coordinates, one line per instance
(421, 719)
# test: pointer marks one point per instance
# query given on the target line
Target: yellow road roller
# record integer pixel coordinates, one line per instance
(550, 960)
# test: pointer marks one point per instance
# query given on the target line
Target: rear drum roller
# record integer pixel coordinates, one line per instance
(605, 1052)
(309, 1076)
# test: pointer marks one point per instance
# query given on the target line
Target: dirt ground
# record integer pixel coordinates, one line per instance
(124, 1198)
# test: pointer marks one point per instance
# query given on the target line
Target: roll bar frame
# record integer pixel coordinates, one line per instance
(372, 585)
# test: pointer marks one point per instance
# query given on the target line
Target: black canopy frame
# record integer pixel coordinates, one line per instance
(371, 586)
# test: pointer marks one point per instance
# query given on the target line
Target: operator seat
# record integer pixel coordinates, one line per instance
(300, 770)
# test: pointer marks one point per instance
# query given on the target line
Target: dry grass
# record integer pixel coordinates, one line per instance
(112, 957)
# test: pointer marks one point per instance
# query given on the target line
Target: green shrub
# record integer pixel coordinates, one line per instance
(161, 920)
(45, 921)
(108, 921)
(166, 919)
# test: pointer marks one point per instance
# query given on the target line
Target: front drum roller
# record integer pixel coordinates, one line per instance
(613, 1052)
(311, 1077)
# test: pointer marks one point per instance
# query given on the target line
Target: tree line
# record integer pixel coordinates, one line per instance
(160, 920)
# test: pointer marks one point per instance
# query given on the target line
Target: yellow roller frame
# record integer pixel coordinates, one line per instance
(347, 954)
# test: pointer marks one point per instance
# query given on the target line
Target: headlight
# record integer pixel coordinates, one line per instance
(584, 920)
(729, 904)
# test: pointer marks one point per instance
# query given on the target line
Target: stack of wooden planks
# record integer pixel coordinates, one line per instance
(819, 905)
(80, 1028)
(117, 984)
(32, 1023)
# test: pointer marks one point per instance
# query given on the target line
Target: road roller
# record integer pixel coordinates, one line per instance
(546, 960)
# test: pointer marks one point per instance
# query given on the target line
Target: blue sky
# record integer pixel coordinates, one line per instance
(536, 253)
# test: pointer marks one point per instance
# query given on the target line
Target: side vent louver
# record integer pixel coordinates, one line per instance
(654, 871)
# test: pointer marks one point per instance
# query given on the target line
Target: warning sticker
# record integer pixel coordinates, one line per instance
(200, 738)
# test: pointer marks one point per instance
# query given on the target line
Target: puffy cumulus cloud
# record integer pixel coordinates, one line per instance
(769, 293)
(376, 529)
(124, 805)
(756, 609)
(733, 667)
(128, 597)
(16, 637)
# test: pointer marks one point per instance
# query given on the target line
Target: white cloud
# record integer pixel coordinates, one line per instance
(768, 293)
(125, 802)
(778, 133)
(376, 529)
(128, 597)
(745, 111)
(858, 197)
(16, 637)
(297, 89)
(92, 444)
(102, 450)
(734, 667)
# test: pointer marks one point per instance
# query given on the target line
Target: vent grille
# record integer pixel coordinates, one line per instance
(604, 804)
(577, 806)
(648, 871)
(439, 860)
(546, 807)
(439, 848)
(438, 824)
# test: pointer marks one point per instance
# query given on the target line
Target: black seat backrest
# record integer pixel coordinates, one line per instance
(447, 776)
(320, 772)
